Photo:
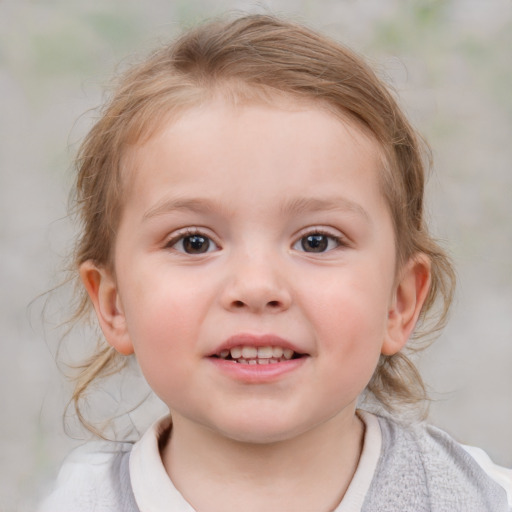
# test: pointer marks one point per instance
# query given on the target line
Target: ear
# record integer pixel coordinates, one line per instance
(102, 290)
(408, 299)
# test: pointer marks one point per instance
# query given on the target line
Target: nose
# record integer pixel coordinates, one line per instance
(257, 285)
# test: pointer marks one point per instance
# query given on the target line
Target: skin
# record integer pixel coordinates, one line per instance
(255, 181)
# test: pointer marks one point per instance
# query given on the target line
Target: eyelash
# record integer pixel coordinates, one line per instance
(339, 240)
(188, 234)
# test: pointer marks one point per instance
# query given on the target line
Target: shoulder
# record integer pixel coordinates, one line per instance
(87, 479)
(470, 463)
(423, 468)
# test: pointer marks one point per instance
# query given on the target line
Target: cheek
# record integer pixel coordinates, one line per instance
(162, 321)
(350, 319)
(159, 302)
(351, 302)
(165, 349)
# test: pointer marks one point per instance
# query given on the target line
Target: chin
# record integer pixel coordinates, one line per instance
(259, 431)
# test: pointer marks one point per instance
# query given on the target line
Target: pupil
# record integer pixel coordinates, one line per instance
(314, 243)
(196, 244)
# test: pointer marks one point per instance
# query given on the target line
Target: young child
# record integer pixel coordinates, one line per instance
(253, 232)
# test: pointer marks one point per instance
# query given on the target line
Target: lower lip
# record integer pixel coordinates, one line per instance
(257, 373)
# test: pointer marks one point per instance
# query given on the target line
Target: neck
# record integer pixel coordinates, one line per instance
(312, 471)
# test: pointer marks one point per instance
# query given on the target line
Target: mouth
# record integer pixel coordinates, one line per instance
(264, 355)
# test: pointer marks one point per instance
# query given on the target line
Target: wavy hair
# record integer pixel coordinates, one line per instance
(259, 57)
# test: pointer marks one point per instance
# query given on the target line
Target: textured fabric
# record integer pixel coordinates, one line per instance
(370, 456)
(419, 469)
(422, 469)
(501, 475)
(94, 478)
(121, 484)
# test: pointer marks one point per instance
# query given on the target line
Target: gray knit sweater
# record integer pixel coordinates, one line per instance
(420, 469)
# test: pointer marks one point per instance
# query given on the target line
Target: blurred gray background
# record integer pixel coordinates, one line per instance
(449, 60)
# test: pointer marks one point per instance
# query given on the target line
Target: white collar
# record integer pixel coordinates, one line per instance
(155, 492)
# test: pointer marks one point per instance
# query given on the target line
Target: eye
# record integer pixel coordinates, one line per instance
(194, 243)
(317, 242)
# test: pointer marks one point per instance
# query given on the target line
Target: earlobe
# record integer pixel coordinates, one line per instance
(410, 294)
(102, 290)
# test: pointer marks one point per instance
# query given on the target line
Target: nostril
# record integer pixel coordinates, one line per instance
(273, 304)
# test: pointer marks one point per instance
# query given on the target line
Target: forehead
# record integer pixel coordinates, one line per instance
(282, 153)
(220, 108)
(233, 95)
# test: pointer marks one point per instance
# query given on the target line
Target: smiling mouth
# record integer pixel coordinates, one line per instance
(258, 355)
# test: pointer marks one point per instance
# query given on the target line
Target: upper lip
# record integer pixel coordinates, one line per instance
(254, 340)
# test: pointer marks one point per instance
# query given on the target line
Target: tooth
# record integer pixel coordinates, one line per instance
(224, 354)
(287, 353)
(262, 361)
(236, 352)
(277, 352)
(265, 352)
(273, 361)
(243, 361)
(253, 361)
(249, 352)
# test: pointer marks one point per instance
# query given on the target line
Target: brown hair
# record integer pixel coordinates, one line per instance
(259, 56)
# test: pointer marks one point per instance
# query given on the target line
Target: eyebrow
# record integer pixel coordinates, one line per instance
(292, 207)
(313, 204)
(196, 205)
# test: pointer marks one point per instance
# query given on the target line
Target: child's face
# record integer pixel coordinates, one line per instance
(252, 227)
